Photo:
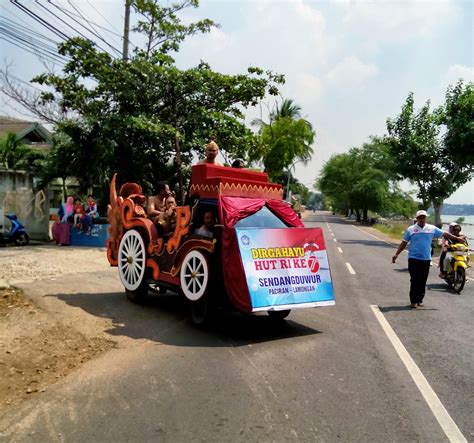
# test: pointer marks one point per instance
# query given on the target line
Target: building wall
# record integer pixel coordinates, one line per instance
(31, 208)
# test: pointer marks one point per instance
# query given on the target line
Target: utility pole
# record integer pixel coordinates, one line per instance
(126, 29)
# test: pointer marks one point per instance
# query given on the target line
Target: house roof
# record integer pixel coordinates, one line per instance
(23, 129)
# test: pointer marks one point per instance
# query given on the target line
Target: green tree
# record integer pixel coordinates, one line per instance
(145, 118)
(17, 156)
(284, 139)
(437, 164)
(358, 180)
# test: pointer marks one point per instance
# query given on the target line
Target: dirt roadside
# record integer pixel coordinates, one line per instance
(37, 348)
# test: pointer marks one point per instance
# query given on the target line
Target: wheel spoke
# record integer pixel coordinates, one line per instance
(199, 283)
(194, 285)
(134, 247)
(136, 272)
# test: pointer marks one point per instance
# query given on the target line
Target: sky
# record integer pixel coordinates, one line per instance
(349, 65)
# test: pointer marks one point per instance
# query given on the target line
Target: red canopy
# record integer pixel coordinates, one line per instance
(233, 209)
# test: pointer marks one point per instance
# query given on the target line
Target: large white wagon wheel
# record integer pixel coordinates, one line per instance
(132, 264)
(194, 275)
(194, 278)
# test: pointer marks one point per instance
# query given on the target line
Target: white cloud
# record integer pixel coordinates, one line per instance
(457, 72)
(307, 87)
(351, 73)
(389, 20)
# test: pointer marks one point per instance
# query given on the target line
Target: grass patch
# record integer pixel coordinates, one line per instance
(394, 229)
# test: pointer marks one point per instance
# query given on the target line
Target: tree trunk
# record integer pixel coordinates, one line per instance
(366, 217)
(438, 206)
(64, 189)
(180, 172)
(357, 215)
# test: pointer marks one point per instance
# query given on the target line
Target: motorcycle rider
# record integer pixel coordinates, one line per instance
(454, 229)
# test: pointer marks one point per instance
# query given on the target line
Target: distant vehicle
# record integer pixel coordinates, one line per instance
(260, 258)
(17, 234)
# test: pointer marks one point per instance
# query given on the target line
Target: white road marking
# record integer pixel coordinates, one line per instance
(351, 269)
(335, 240)
(439, 411)
(332, 234)
(339, 249)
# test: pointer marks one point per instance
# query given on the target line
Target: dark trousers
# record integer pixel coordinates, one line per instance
(419, 270)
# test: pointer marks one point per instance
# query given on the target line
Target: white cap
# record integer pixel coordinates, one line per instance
(420, 213)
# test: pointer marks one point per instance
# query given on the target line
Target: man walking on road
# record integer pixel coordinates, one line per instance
(420, 236)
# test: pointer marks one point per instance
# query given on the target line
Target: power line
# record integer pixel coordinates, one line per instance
(31, 39)
(93, 31)
(118, 33)
(26, 29)
(38, 19)
(105, 18)
(28, 48)
(68, 24)
(88, 20)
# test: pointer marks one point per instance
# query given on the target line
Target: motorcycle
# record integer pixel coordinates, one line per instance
(458, 264)
(17, 234)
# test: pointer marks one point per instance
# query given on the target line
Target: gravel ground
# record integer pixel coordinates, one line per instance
(33, 263)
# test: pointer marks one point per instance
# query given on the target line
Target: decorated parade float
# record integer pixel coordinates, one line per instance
(260, 256)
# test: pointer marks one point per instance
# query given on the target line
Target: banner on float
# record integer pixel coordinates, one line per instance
(286, 267)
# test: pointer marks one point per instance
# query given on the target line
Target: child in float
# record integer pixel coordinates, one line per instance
(167, 219)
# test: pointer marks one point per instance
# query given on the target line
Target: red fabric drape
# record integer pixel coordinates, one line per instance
(285, 213)
(233, 209)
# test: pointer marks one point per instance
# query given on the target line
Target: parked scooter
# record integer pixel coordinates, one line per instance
(458, 264)
(17, 234)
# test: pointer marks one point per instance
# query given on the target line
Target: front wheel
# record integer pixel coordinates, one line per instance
(459, 279)
(279, 315)
(132, 264)
(22, 239)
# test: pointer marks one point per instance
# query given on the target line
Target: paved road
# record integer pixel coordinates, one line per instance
(327, 374)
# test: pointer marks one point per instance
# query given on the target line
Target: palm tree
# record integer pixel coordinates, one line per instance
(286, 139)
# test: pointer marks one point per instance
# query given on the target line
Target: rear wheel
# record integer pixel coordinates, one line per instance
(279, 315)
(132, 264)
(201, 311)
(22, 239)
(459, 279)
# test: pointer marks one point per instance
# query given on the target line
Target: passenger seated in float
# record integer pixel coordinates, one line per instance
(207, 228)
(167, 219)
(238, 163)
(156, 203)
